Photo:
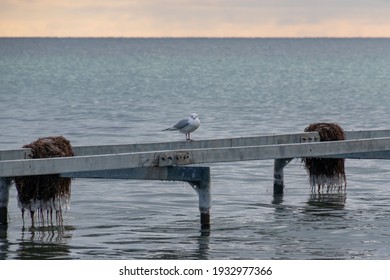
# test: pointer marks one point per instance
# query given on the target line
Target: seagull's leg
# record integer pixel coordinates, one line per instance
(188, 136)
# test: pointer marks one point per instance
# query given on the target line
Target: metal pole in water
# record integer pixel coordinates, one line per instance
(5, 184)
(279, 165)
(202, 187)
(204, 205)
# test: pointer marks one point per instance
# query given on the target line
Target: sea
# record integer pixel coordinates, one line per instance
(103, 91)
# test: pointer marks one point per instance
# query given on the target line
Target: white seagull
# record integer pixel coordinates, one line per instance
(186, 125)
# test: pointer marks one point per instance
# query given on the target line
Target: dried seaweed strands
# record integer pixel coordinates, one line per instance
(326, 173)
(45, 194)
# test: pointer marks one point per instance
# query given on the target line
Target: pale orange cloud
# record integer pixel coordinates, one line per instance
(195, 18)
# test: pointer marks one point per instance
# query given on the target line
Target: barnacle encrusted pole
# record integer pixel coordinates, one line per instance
(326, 173)
(45, 194)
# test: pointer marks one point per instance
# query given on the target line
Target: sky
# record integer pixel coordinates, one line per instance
(194, 18)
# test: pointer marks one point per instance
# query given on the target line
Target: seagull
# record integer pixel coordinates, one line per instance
(186, 125)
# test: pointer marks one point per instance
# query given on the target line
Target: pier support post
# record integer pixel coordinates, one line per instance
(279, 165)
(5, 184)
(203, 190)
(198, 177)
(202, 187)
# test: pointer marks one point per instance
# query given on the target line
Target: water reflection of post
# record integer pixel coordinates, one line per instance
(204, 247)
(277, 199)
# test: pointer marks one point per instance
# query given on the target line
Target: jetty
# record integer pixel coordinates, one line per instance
(183, 160)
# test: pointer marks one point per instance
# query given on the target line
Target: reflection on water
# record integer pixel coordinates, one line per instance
(37, 243)
(277, 199)
(195, 247)
(204, 247)
(4, 243)
(328, 200)
(45, 242)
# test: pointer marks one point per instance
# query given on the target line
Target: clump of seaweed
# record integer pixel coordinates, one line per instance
(45, 193)
(326, 173)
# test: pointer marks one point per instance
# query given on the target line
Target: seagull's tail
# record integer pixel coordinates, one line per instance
(170, 129)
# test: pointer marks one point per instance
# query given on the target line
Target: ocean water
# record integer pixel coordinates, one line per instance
(117, 91)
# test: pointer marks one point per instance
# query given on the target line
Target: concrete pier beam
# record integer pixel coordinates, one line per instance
(170, 160)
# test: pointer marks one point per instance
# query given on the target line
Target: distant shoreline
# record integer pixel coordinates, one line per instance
(217, 38)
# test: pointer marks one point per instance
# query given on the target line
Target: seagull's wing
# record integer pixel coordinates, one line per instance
(181, 124)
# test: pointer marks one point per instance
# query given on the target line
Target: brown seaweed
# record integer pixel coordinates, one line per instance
(45, 194)
(326, 173)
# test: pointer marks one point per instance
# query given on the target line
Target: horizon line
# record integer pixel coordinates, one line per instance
(190, 37)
